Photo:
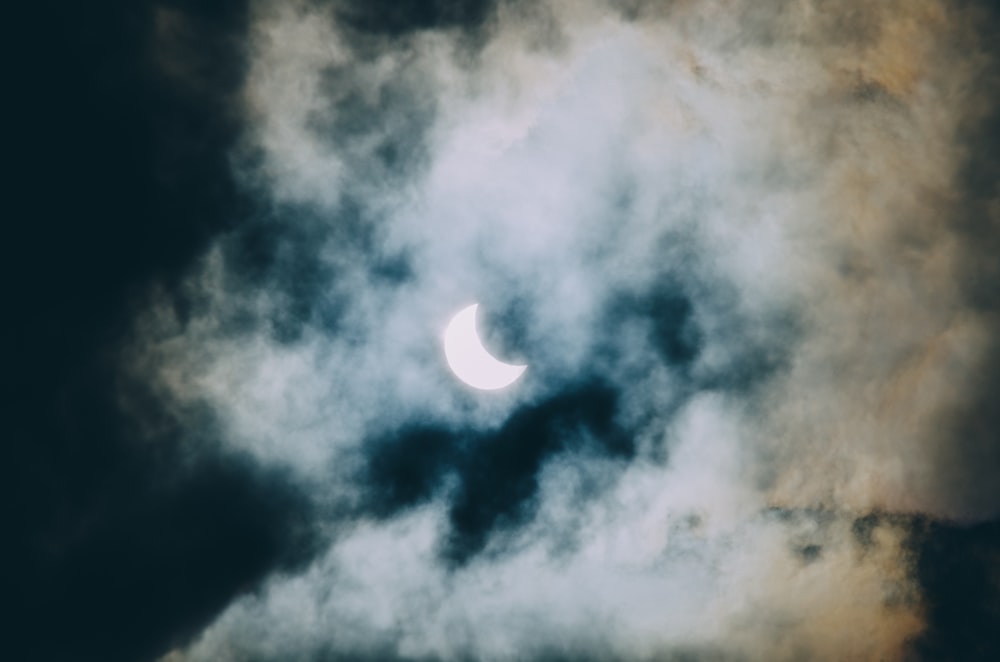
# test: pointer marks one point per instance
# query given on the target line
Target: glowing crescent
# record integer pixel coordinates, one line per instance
(469, 360)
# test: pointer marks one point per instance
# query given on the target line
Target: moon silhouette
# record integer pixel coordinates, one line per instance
(469, 360)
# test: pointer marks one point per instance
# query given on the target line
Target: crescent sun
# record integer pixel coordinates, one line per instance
(469, 360)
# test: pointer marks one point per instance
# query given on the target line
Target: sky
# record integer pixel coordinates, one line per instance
(748, 252)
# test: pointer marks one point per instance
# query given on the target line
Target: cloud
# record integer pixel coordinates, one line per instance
(740, 250)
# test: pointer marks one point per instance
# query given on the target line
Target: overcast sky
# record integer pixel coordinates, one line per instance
(748, 252)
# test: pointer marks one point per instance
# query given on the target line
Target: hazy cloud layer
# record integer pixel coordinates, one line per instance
(742, 249)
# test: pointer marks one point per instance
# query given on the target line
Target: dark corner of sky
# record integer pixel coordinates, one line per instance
(117, 543)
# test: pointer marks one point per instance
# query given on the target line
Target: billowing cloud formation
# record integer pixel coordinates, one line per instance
(742, 249)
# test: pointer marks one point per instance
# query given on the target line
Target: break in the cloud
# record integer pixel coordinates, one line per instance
(739, 247)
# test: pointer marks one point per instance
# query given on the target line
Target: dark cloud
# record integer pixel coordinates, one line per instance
(407, 467)
(957, 562)
(957, 570)
(269, 254)
(972, 456)
(120, 539)
(383, 121)
(673, 315)
(499, 477)
(668, 313)
(396, 18)
(125, 555)
(495, 474)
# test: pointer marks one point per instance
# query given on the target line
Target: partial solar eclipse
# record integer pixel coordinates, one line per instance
(469, 360)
